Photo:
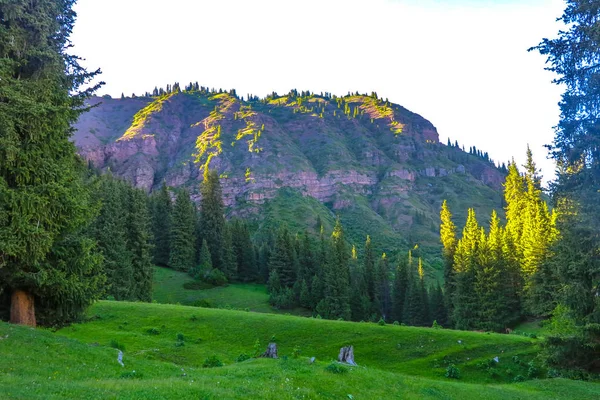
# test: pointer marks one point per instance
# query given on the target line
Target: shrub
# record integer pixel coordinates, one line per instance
(436, 325)
(216, 277)
(381, 322)
(452, 372)
(204, 303)
(152, 331)
(282, 299)
(180, 337)
(212, 362)
(519, 378)
(296, 352)
(257, 348)
(116, 345)
(242, 357)
(396, 323)
(336, 368)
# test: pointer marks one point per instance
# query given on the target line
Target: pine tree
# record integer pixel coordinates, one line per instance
(204, 265)
(400, 289)
(573, 56)
(464, 300)
(244, 251)
(139, 243)
(110, 232)
(230, 265)
(383, 290)
(411, 313)
(437, 306)
(161, 225)
(212, 216)
(336, 302)
(282, 258)
(48, 266)
(359, 300)
(183, 254)
(369, 267)
(448, 239)
(425, 319)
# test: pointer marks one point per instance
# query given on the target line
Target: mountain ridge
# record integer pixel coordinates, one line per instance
(360, 156)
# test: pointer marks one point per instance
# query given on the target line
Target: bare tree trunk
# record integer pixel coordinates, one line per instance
(22, 308)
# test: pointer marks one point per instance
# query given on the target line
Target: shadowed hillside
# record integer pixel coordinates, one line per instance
(374, 163)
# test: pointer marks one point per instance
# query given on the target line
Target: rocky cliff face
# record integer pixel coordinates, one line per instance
(355, 151)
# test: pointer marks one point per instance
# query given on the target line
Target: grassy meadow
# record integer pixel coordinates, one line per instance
(166, 346)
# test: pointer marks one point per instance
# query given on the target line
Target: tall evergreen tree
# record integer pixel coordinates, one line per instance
(400, 289)
(360, 306)
(464, 301)
(336, 301)
(244, 251)
(162, 210)
(183, 242)
(448, 239)
(230, 263)
(49, 267)
(139, 242)
(437, 306)
(573, 56)
(383, 293)
(369, 267)
(110, 232)
(282, 258)
(212, 216)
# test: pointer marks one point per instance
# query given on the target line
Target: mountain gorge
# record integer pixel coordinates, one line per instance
(297, 158)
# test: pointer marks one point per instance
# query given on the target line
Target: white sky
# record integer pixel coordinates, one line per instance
(462, 64)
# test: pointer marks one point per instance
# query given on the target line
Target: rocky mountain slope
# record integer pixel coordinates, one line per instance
(293, 157)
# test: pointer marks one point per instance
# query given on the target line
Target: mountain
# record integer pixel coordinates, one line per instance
(291, 158)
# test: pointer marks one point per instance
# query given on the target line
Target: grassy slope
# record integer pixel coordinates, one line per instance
(168, 289)
(76, 362)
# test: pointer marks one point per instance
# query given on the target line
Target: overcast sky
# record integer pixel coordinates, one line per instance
(462, 64)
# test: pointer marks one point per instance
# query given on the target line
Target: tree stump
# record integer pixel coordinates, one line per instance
(347, 355)
(22, 309)
(271, 351)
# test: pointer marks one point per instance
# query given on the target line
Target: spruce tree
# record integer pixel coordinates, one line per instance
(48, 266)
(212, 216)
(448, 239)
(282, 258)
(425, 319)
(464, 300)
(183, 254)
(359, 300)
(437, 306)
(400, 289)
(139, 243)
(110, 230)
(162, 210)
(383, 290)
(369, 267)
(336, 302)
(204, 265)
(244, 251)
(230, 264)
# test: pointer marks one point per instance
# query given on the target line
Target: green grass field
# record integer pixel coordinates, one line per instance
(394, 362)
(168, 289)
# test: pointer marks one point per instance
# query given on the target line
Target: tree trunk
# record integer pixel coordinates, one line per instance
(347, 355)
(22, 309)
(271, 351)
